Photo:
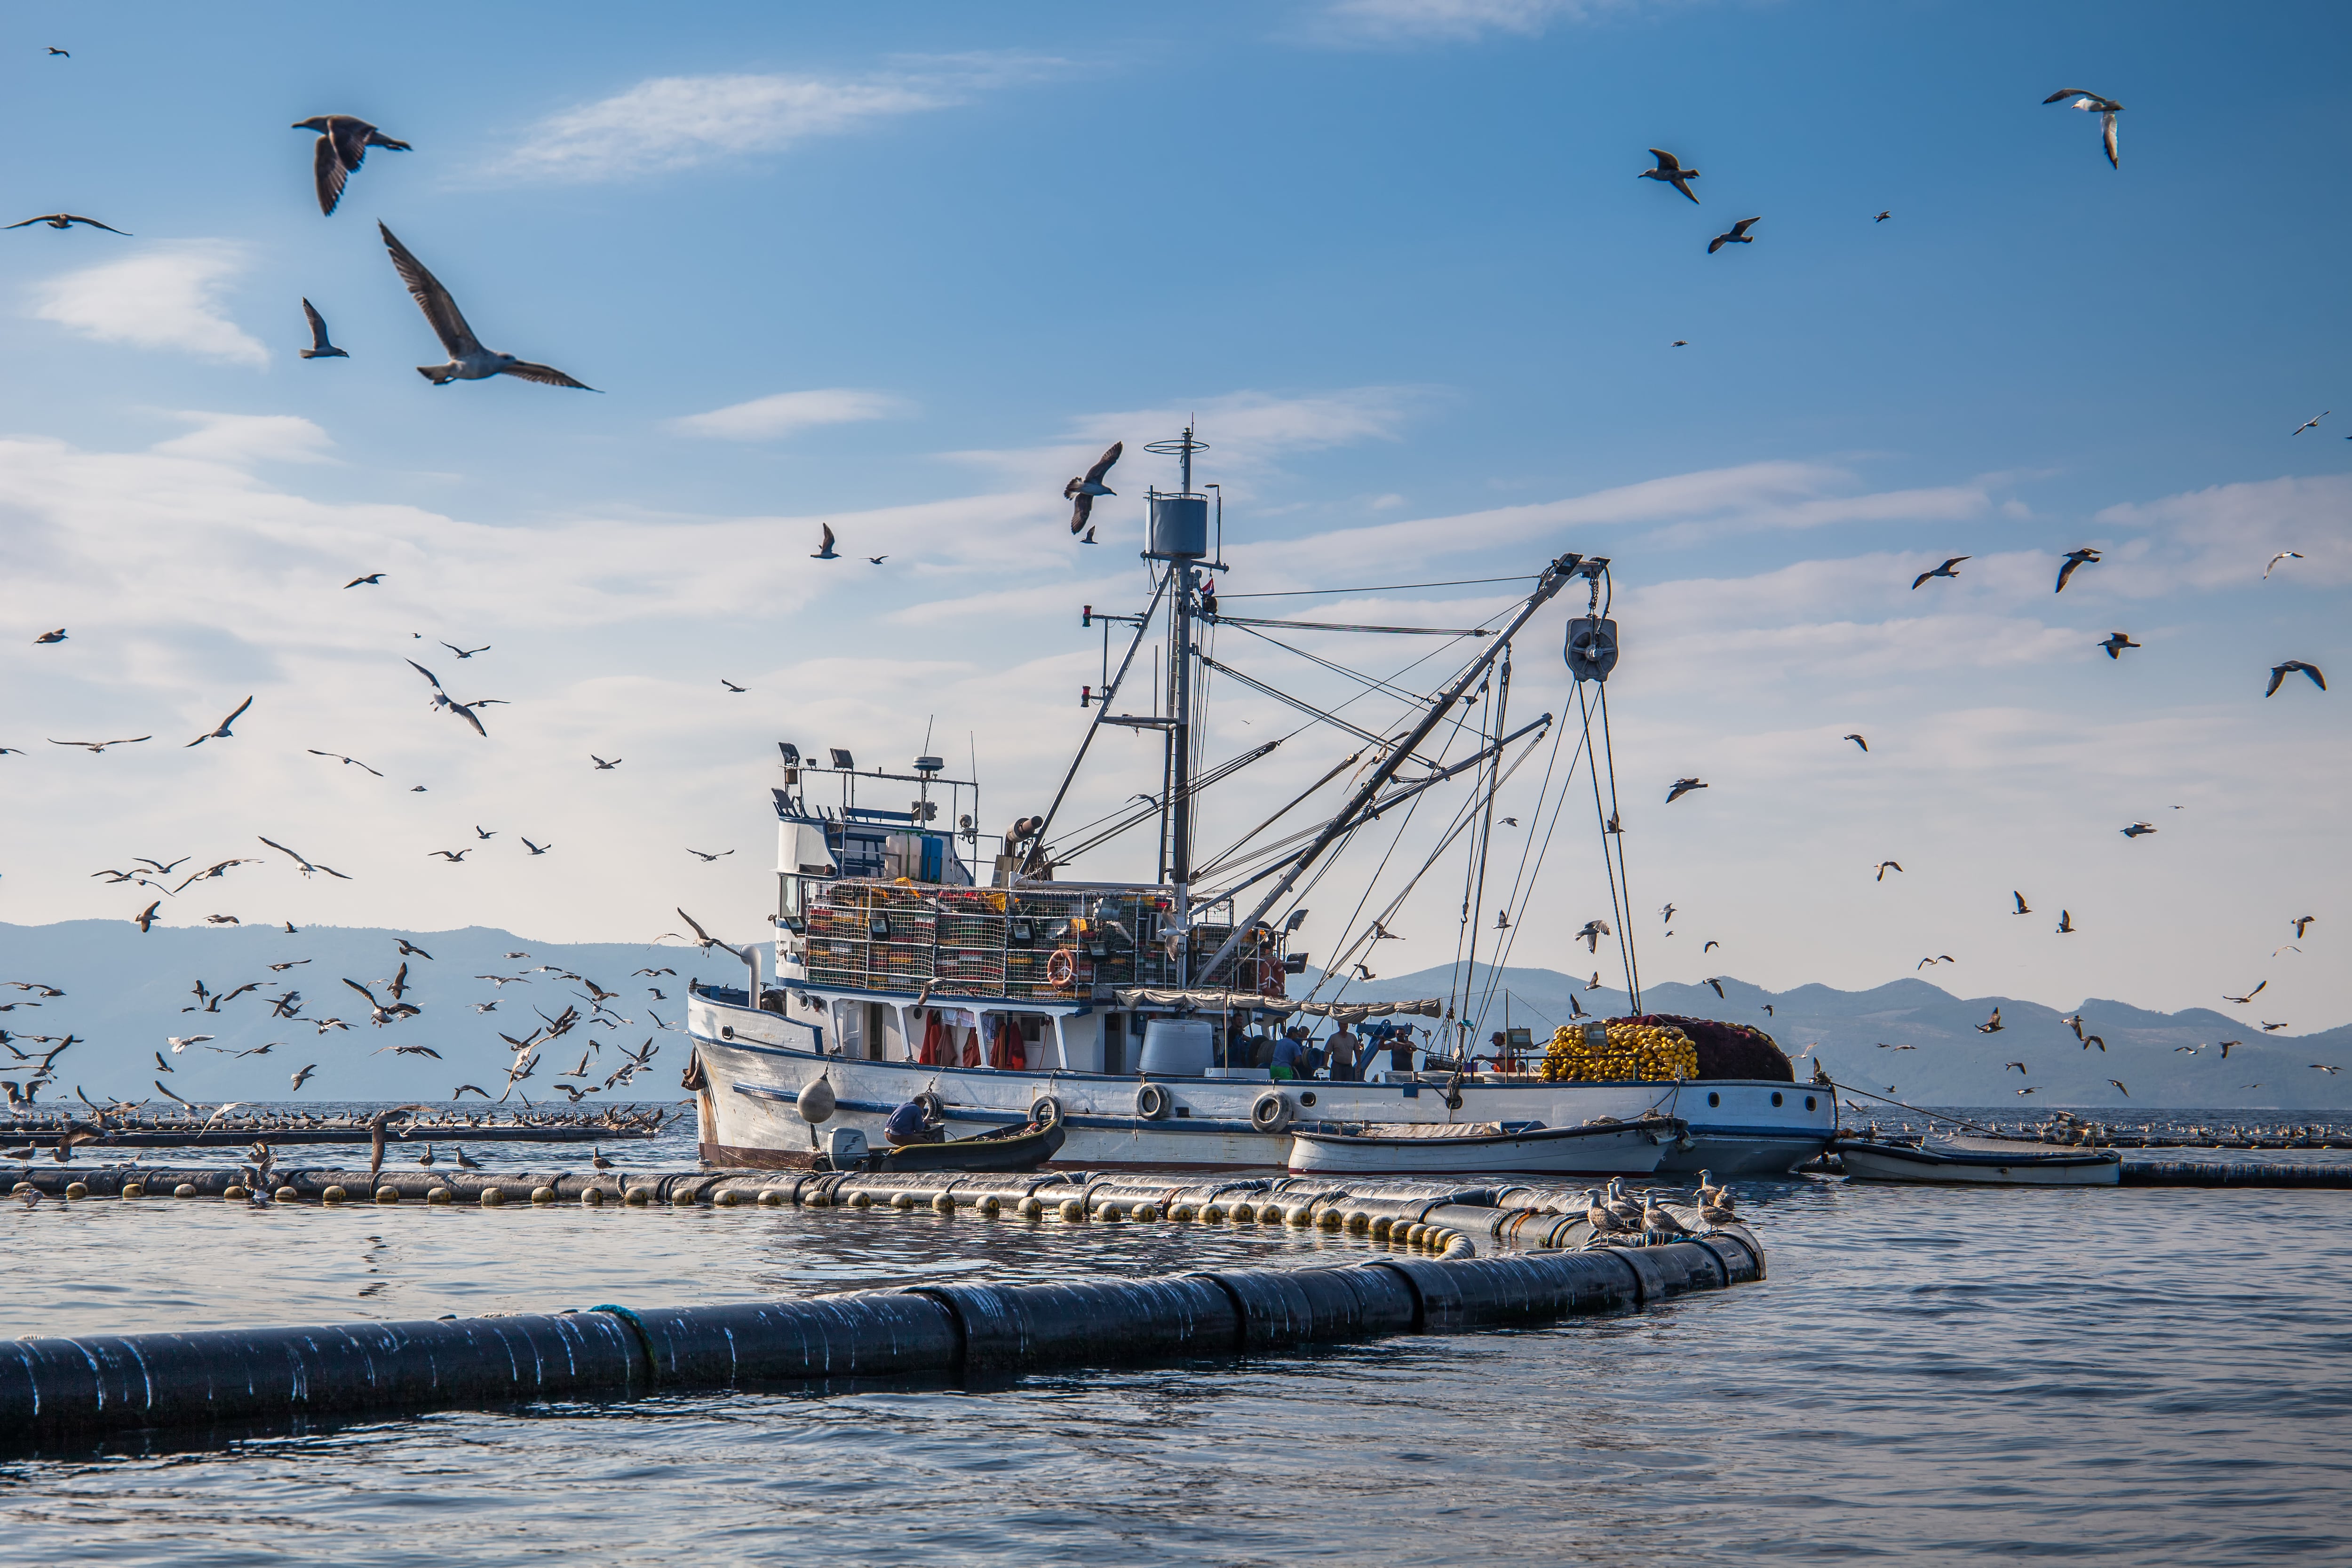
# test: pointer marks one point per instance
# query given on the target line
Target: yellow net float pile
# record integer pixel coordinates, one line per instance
(1636, 1049)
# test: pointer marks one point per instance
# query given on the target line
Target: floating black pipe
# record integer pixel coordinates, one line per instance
(69, 1389)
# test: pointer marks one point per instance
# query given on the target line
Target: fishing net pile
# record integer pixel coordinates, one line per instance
(1645, 1047)
(1661, 1046)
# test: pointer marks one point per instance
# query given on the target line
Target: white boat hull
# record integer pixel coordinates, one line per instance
(1550, 1152)
(755, 1064)
(1880, 1162)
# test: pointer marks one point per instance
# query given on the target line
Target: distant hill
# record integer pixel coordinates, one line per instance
(1952, 1063)
(124, 993)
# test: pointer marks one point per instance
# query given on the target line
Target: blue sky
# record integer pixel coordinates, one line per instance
(905, 269)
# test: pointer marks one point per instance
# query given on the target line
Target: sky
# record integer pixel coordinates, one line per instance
(904, 270)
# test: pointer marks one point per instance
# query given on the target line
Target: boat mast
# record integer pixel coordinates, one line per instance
(1180, 536)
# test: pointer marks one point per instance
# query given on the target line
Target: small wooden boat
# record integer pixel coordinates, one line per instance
(1602, 1148)
(1019, 1148)
(1870, 1159)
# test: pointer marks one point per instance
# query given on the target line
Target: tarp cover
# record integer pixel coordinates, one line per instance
(1240, 1001)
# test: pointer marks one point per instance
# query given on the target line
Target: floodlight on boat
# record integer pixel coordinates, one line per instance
(1298, 918)
(791, 753)
(843, 759)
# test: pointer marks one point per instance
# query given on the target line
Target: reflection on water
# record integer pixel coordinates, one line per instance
(2117, 1376)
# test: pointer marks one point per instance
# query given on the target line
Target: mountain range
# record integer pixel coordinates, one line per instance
(126, 992)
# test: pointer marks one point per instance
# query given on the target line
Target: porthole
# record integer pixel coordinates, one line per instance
(725, 1031)
(1306, 1099)
(1809, 1102)
(1776, 1100)
(1713, 1099)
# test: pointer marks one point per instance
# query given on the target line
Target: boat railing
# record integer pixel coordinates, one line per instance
(1023, 943)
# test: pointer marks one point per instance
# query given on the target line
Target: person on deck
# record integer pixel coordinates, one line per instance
(1345, 1053)
(1287, 1052)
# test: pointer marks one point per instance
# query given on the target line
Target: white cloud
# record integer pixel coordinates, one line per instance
(163, 297)
(2227, 533)
(1461, 20)
(678, 122)
(242, 439)
(784, 413)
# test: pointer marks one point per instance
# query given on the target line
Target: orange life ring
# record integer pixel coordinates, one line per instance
(1062, 969)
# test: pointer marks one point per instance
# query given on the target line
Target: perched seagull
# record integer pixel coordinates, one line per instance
(2279, 672)
(2075, 558)
(1670, 172)
(343, 141)
(731, 686)
(2090, 102)
(56, 636)
(320, 347)
(469, 359)
(1080, 492)
(2282, 555)
(1886, 865)
(2065, 923)
(602, 766)
(825, 549)
(1946, 570)
(2117, 642)
(2312, 423)
(1857, 741)
(220, 730)
(67, 220)
(374, 579)
(1681, 787)
(2136, 830)
(1736, 234)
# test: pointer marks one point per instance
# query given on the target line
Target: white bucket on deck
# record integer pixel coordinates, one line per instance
(1179, 1047)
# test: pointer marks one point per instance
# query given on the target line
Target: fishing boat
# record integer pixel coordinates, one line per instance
(1475, 1148)
(1878, 1160)
(914, 953)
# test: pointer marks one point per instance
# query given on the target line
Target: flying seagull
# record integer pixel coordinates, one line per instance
(1992, 1026)
(98, 748)
(1857, 741)
(1670, 172)
(352, 762)
(877, 560)
(2249, 996)
(1736, 234)
(2282, 555)
(320, 347)
(343, 141)
(2117, 642)
(2312, 423)
(469, 359)
(704, 857)
(56, 636)
(1592, 934)
(536, 848)
(825, 549)
(1716, 983)
(731, 686)
(2119, 1088)
(466, 652)
(2279, 672)
(2090, 102)
(2019, 1066)
(2065, 922)
(1886, 865)
(1681, 787)
(1946, 570)
(2022, 907)
(2075, 558)
(67, 53)
(2137, 830)
(1882, 216)
(1080, 492)
(146, 917)
(307, 866)
(602, 766)
(2302, 920)
(220, 731)
(67, 220)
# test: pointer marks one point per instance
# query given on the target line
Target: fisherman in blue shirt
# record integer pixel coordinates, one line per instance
(1286, 1053)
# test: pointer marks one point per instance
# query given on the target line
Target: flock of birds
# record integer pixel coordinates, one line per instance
(1609, 1211)
(386, 1004)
